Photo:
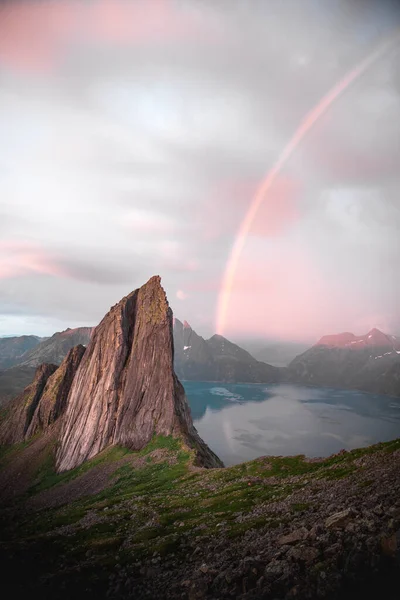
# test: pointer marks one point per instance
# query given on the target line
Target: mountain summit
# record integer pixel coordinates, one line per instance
(368, 362)
(120, 390)
(217, 359)
(125, 390)
(374, 339)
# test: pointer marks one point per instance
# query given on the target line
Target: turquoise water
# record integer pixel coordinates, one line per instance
(241, 422)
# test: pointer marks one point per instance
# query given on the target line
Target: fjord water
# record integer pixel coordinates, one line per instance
(244, 421)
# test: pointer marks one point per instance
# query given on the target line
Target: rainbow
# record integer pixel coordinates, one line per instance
(305, 125)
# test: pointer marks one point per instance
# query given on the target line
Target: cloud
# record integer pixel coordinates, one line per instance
(19, 259)
(134, 136)
(36, 35)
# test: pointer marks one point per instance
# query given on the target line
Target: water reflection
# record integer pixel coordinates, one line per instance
(241, 422)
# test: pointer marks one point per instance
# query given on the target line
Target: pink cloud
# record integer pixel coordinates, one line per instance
(18, 259)
(285, 295)
(279, 209)
(227, 198)
(35, 34)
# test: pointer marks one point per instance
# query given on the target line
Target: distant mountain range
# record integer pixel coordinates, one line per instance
(13, 381)
(32, 351)
(54, 349)
(19, 357)
(369, 362)
(216, 359)
(12, 349)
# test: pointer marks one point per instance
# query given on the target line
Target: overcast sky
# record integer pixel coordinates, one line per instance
(134, 135)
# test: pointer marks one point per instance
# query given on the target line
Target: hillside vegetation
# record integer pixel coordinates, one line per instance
(151, 524)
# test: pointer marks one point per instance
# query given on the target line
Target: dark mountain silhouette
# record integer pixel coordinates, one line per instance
(54, 349)
(13, 381)
(13, 348)
(216, 359)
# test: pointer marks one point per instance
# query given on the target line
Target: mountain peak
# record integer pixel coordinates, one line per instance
(337, 340)
(125, 390)
(375, 330)
(217, 337)
(373, 339)
(376, 333)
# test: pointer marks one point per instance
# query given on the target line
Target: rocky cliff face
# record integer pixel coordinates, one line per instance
(125, 390)
(53, 400)
(15, 424)
(42, 402)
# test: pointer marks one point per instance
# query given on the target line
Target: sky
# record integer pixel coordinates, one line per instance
(134, 136)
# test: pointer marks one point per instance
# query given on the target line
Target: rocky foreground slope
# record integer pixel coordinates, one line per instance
(149, 524)
(102, 493)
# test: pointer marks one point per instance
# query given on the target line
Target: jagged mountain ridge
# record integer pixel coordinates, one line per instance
(374, 339)
(122, 390)
(370, 362)
(53, 400)
(217, 359)
(125, 390)
(373, 369)
(54, 349)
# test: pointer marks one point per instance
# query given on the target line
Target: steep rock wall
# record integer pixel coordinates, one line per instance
(125, 390)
